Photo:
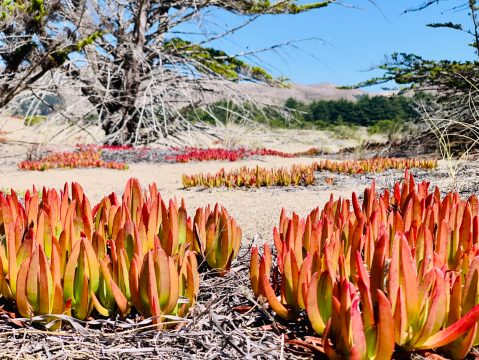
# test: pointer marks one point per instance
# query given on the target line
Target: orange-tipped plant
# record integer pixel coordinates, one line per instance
(155, 288)
(60, 256)
(375, 165)
(78, 159)
(38, 286)
(295, 279)
(319, 300)
(407, 262)
(189, 282)
(81, 279)
(355, 334)
(304, 248)
(217, 238)
(114, 289)
(174, 228)
(298, 175)
(253, 177)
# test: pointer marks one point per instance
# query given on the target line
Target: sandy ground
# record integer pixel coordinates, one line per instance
(256, 210)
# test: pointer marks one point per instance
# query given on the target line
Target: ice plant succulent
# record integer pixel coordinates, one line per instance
(60, 256)
(217, 238)
(179, 155)
(304, 247)
(77, 159)
(399, 269)
(291, 299)
(352, 333)
(198, 154)
(39, 290)
(81, 279)
(155, 287)
(297, 175)
(373, 165)
(189, 282)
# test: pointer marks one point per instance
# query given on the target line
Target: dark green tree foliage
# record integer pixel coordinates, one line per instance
(452, 115)
(446, 77)
(366, 111)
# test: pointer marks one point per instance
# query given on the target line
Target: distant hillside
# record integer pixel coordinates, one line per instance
(240, 92)
(301, 92)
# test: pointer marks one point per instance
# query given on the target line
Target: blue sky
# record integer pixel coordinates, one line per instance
(354, 39)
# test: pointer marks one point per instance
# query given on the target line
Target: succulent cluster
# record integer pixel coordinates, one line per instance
(60, 256)
(114, 147)
(176, 154)
(399, 270)
(314, 151)
(198, 154)
(299, 175)
(375, 165)
(88, 158)
(253, 177)
(83, 147)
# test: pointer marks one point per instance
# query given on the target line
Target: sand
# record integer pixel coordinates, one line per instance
(256, 210)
